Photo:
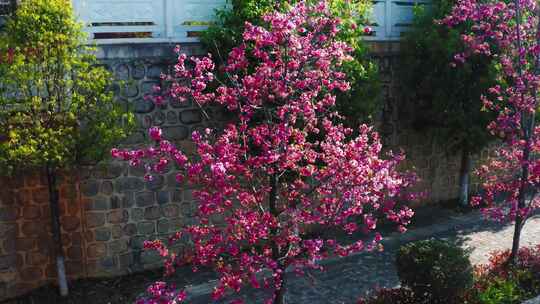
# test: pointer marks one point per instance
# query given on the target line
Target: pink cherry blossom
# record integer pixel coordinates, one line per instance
(508, 33)
(285, 166)
(155, 133)
(495, 35)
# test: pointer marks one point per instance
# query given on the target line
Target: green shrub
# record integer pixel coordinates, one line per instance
(501, 292)
(56, 108)
(435, 270)
(499, 282)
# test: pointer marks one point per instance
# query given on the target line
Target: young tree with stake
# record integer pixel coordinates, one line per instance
(508, 32)
(55, 108)
(445, 101)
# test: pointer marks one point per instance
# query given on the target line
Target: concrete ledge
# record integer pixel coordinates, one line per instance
(145, 50)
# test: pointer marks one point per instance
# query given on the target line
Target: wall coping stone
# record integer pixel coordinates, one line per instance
(145, 50)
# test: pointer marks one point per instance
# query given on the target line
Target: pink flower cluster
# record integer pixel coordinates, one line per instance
(515, 53)
(285, 167)
(161, 293)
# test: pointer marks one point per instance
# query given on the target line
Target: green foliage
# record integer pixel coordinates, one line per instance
(512, 286)
(446, 99)
(226, 33)
(357, 105)
(435, 270)
(55, 106)
(500, 282)
(501, 292)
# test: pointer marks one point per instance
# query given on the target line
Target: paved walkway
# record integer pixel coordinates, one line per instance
(345, 279)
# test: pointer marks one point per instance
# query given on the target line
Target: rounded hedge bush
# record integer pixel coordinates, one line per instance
(435, 270)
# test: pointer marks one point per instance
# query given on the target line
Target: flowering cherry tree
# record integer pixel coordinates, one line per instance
(508, 32)
(283, 168)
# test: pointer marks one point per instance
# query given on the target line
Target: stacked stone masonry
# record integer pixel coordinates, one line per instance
(109, 210)
(26, 259)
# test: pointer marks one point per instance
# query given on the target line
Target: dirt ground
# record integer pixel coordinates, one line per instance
(119, 290)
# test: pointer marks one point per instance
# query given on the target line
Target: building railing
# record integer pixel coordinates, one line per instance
(392, 18)
(132, 21)
(180, 21)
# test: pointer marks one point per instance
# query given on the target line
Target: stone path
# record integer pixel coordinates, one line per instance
(345, 279)
(533, 301)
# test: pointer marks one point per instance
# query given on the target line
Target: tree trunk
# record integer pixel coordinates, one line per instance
(527, 125)
(464, 177)
(520, 221)
(56, 230)
(279, 292)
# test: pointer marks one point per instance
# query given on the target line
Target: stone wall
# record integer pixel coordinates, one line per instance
(108, 210)
(26, 259)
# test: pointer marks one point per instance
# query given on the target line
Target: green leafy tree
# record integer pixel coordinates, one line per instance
(56, 110)
(357, 105)
(447, 104)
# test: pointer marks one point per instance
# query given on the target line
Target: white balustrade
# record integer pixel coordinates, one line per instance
(132, 21)
(391, 18)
